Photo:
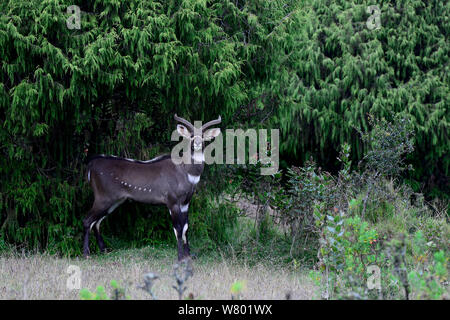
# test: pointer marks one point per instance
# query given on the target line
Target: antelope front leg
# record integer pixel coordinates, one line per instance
(180, 226)
(91, 219)
(186, 250)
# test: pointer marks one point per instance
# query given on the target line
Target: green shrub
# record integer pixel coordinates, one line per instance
(118, 293)
(431, 282)
(384, 224)
(212, 223)
(348, 246)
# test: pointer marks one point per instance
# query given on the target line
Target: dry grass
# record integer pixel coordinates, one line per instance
(41, 276)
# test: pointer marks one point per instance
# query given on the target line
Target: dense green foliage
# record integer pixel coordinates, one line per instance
(364, 222)
(336, 70)
(311, 68)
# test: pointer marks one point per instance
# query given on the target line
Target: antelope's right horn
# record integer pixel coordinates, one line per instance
(185, 122)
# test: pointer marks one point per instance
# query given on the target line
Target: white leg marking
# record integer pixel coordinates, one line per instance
(193, 179)
(92, 224)
(176, 236)
(89, 175)
(184, 232)
(97, 225)
(185, 208)
(170, 212)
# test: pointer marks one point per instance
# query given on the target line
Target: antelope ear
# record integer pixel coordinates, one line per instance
(183, 131)
(210, 134)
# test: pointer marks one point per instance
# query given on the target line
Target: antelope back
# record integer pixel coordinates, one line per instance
(155, 181)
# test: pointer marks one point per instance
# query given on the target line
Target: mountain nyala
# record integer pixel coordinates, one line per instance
(157, 181)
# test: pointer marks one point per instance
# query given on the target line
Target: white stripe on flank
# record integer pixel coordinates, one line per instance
(89, 175)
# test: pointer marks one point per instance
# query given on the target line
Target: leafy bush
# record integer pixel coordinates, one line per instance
(380, 226)
(212, 222)
(306, 186)
(118, 293)
(348, 246)
(388, 143)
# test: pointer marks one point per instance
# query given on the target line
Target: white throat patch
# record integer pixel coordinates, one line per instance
(193, 179)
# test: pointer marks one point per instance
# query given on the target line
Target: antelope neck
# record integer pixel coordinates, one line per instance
(194, 169)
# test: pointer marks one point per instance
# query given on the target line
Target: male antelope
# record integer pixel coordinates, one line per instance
(156, 181)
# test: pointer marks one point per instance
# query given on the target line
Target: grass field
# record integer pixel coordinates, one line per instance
(41, 276)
